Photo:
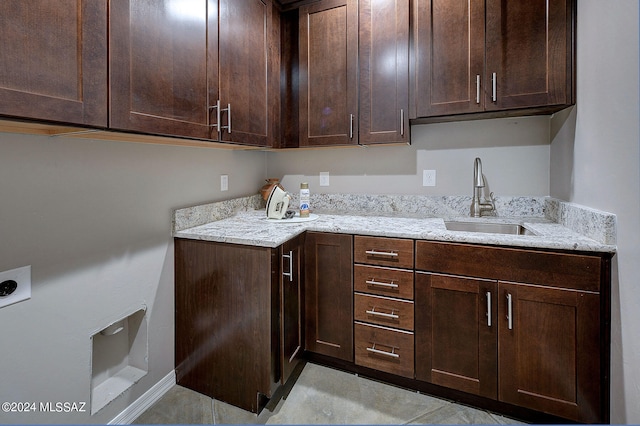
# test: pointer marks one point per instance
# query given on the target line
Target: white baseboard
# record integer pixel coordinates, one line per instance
(141, 404)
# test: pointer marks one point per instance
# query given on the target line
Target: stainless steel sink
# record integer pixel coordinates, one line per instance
(488, 227)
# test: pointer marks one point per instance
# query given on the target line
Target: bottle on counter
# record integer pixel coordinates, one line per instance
(305, 199)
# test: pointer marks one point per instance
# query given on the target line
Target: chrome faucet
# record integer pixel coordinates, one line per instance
(478, 183)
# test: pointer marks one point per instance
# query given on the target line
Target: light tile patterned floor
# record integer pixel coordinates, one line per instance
(322, 395)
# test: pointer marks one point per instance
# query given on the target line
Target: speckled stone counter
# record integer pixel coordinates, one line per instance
(556, 224)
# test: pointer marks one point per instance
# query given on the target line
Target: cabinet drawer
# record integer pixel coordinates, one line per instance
(384, 311)
(381, 251)
(384, 349)
(383, 281)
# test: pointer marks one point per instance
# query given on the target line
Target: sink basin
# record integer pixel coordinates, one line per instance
(487, 227)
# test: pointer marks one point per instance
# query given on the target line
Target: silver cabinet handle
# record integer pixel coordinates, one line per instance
(350, 126)
(392, 354)
(477, 88)
(382, 253)
(217, 108)
(509, 311)
(488, 309)
(228, 126)
(290, 273)
(401, 122)
(378, 283)
(382, 314)
(494, 87)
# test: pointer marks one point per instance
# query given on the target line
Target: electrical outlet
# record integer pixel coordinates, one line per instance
(224, 182)
(15, 285)
(428, 178)
(324, 178)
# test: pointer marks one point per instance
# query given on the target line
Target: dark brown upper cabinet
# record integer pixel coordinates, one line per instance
(383, 71)
(354, 72)
(204, 70)
(159, 66)
(493, 57)
(249, 79)
(328, 73)
(53, 60)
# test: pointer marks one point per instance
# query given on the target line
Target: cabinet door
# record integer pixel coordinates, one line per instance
(53, 60)
(328, 73)
(383, 71)
(329, 294)
(549, 344)
(456, 333)
(529, 52)
(158, 66)
(249, 83)
(225, 300)
(291, 305)
(449, 63)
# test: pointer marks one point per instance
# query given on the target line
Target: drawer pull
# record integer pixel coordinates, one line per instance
(382, 314)
(382, 253)
(391, 354)
(378, 283)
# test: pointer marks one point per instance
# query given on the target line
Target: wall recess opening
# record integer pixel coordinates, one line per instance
(119, 358)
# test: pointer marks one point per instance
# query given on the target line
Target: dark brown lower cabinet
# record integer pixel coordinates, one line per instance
(533, 325)
(226, 321)
(329, 294)
(549, 346)
(517, 330)
(456, 333)
(291, 305)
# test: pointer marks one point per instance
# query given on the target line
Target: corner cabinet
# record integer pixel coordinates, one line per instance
(187, 71)
(328, 37)
(54, 61)
(528, 328)
(328, 292)
(491, 56)
(354, 72)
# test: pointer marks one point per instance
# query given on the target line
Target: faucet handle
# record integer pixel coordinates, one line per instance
(492, 201)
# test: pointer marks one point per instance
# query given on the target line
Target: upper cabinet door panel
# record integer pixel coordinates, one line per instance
(527, 49)
(246, 65)
(384, 71)
(328, 73)
(449, 56)
(53, 60)
(158, 67)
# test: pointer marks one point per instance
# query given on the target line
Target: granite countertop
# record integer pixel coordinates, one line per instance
(248, 225)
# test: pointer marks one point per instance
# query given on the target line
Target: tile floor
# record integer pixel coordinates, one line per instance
(322, 395)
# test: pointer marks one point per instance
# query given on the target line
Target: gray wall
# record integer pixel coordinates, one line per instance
(514, 153)
(93, 218)
(595, 161)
